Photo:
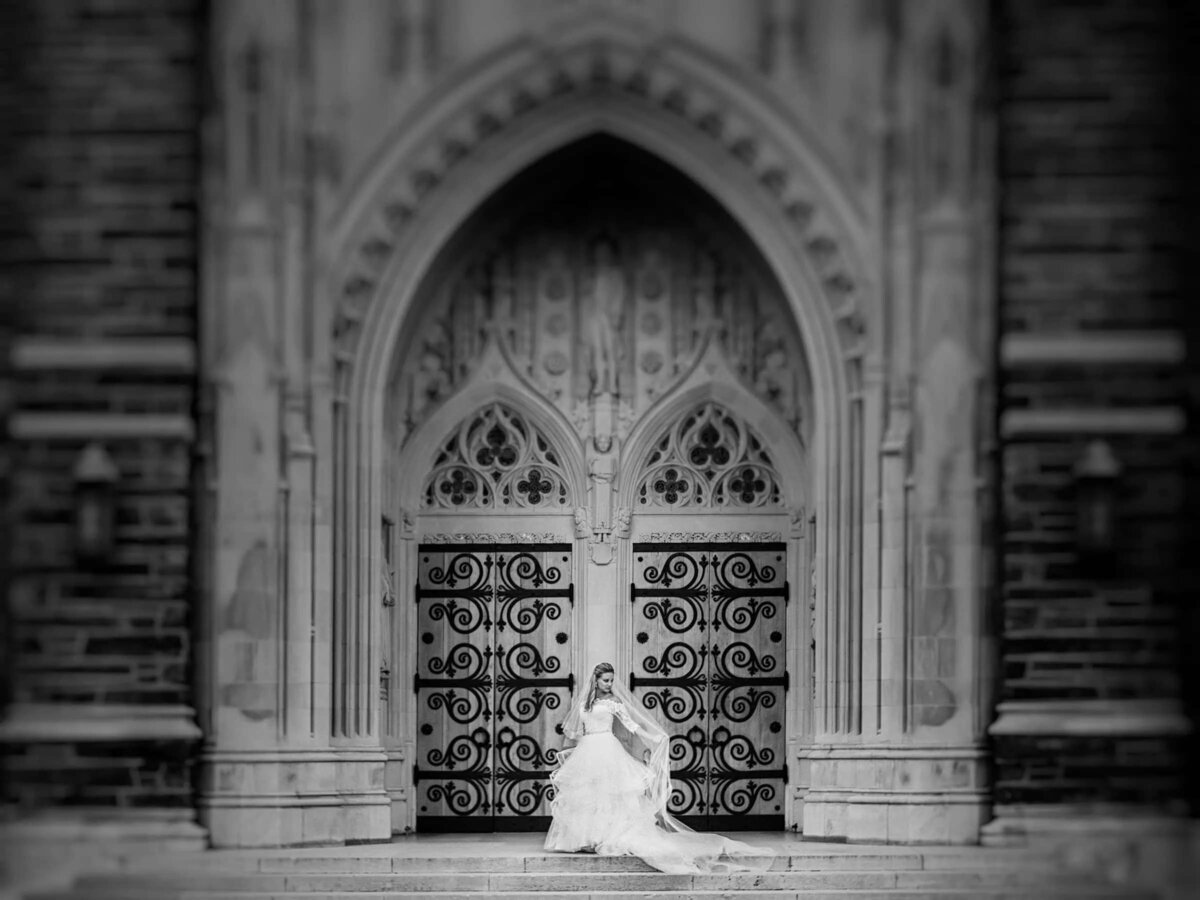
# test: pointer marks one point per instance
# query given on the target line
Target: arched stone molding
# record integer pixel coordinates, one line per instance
(518, 107)
(531, 138)
(831, 326)
(678, 88)
(711, 379)
(495, 380)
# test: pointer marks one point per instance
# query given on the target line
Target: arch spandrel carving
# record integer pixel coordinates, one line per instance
(495, 392)
(613, 286)
(708, 458)
(755, 435)
(678, 81)
(496, 460)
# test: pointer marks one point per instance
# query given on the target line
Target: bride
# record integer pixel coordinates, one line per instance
(612, 787)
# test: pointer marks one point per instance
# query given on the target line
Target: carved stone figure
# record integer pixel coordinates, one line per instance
(604, 314)
(603, 471)
(582, 528)
(622, 522)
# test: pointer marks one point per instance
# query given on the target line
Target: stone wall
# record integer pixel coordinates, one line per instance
(104, 253)
(1090, 296)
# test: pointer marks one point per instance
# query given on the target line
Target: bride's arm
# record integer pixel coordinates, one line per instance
(620, 712)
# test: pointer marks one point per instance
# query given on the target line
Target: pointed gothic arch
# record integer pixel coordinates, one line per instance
(711, 382)
(517, 109)
(495, 381)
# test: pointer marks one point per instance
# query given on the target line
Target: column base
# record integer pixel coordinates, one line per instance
(1128, 845)
(899, 795)
(399, 789)
(283, 798)
(44, 850)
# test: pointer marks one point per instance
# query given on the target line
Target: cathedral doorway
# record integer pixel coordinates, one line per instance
(599, 419)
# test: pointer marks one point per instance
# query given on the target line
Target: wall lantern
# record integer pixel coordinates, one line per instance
(96, 479)
(1096, 475)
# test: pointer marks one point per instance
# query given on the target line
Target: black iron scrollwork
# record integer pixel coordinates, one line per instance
(463, 707)
(465, 751)
(520, 796)
(464, 797)
(459, 774)
(523, 661)
(468, 567)
(678, 617)
(522, 770)
(523, 569)
(491, 773)
(678, 703)
(524, 707)
(742, 799)
(460, 657)
(678, 567)
(740, 657)
(464, 614)
(518, 752)
(677, 657)
(526, 618)
(724, 753)
(736, 752)
(740, 614)
(741, 707)
(738, 570)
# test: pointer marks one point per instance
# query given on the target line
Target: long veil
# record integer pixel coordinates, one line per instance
(651, 744)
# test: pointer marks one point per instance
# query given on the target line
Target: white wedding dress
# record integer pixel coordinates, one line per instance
(602, 803)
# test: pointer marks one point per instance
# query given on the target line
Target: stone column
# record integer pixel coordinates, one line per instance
(272, 773)
(904, 759)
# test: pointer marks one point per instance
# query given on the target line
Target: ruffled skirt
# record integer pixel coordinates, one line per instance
(600, 804)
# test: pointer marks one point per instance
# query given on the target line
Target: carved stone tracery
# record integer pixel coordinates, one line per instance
(708, 458)
(603, 327)
(588, 72)
(496, 460)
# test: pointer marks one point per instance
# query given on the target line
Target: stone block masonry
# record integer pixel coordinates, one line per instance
(1090, 296)
(103, 257)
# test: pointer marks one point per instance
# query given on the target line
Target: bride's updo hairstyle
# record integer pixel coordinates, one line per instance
(601, 669)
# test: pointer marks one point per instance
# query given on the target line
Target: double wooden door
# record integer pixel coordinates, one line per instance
(708, 657)
(494, 625)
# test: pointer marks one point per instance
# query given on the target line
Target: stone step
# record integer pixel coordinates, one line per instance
(864, 860)
(217, 884)
(528, 864)
(1077, 891)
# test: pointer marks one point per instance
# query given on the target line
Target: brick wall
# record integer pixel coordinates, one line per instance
(1090, 243)
(103, 153)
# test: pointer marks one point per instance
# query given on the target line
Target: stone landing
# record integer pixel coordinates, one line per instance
(515, 867)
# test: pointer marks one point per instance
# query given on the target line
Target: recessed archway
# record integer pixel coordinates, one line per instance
(807, 262)
(503, 325)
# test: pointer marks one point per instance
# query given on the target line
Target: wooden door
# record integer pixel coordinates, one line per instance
(494, 644)
(708, 656)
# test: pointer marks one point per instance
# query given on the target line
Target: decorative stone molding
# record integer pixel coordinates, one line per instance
(158, 354)
(1017, 423)
(708, 458)
(504, 537)
(1108, 718)
(1159, 348)
(496, 459)
(52, 722)
(713, 537)
(31, 426)
(668, 82)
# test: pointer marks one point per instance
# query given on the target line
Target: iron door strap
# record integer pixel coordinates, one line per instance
(709, 656)
(495, 624)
